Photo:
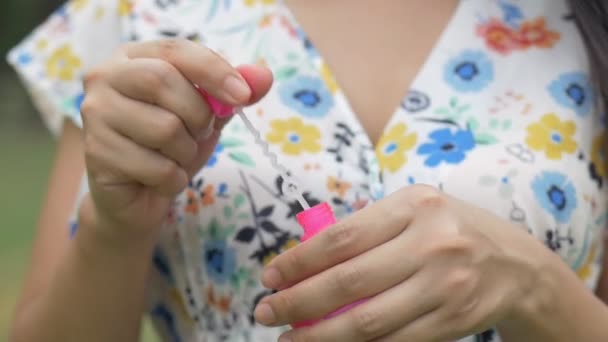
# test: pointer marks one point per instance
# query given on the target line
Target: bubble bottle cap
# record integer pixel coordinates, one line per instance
(315, 219)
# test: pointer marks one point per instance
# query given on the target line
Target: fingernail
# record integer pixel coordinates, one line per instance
(264, 314)
(207, 132)
(237, 89)
(271, 278)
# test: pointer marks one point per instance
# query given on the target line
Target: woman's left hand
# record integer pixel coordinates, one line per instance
(433, 267)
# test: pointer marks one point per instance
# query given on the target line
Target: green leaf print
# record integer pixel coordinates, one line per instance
(485, 139)
(494, 123)
(214, 229)
(227, 212)
(473, 124)
(239, 200)
(243, 216)
(285, 72)
(506, 124)
(229, 142)
(242, 158)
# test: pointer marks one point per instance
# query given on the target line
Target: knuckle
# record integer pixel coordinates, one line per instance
(428, 197)
(285, 303)
(152, 81)
(453, 247)
(460, 280)
(367, 323)
(169, 47)
(93, 75)
(294, 262)
(163, 72)
(91, 104)
(340, 237)
(168, 170)
(347, 280)
(168, 129)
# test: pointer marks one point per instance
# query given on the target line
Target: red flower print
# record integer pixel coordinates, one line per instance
(499, 37)
(535, 33)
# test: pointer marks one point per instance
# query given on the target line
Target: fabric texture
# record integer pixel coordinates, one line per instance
(502, 115)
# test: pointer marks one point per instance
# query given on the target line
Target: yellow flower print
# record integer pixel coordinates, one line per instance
(328, 78)
(255, 2)
(63, 63)
(552, 136)
(294, 136)
(178, 300)
(268, 258)
(584, 272)
(77, 5)
(290, 244)
(124, 7)
(598, 155)
(41, 44)
(393, 146)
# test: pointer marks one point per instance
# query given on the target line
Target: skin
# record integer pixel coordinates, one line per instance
(446, 288)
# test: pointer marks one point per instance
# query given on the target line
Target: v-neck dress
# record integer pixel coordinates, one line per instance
(502, 114)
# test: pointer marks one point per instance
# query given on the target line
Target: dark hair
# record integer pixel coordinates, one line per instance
(592, 18)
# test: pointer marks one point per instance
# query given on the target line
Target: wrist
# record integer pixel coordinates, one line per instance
(97, 234)
(531, 317)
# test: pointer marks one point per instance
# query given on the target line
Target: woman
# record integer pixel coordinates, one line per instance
(471, 208)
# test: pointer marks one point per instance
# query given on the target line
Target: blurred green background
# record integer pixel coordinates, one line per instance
(26, 153)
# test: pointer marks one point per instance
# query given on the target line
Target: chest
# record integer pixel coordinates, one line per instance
(374, 52)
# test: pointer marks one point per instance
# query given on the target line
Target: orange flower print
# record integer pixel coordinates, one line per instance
(498, 36)
(208, 195)
(504, 39)
(192, 202)
(534, 33)
(338, 186)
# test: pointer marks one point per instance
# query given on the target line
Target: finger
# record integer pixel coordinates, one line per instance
(134, 162)
(259, 80)
(352, 236)
(159, 83)
(361, 277)
(200, 65)
(151, 127)
(381, 315)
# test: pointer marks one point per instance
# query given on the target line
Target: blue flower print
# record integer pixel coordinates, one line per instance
(556, 194)
(216, 153)
(78, 101)
(470, 71)
(309, 96)
(447, 146)
(574, 91)
(220, 260)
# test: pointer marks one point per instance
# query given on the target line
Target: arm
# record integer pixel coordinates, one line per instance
(76, 289)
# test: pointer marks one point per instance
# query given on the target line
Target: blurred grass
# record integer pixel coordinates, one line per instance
(24, 164)
(26, 153)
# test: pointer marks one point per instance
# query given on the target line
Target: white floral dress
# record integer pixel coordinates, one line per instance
(502, 114)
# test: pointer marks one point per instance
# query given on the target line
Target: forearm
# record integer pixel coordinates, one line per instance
(561, 309)
(96, 294)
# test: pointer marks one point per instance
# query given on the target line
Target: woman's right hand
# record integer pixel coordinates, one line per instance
(146, 127)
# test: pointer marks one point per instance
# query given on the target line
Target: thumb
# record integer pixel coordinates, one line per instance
(259, 80)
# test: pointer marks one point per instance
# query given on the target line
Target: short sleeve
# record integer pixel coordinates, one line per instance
(53, 58)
